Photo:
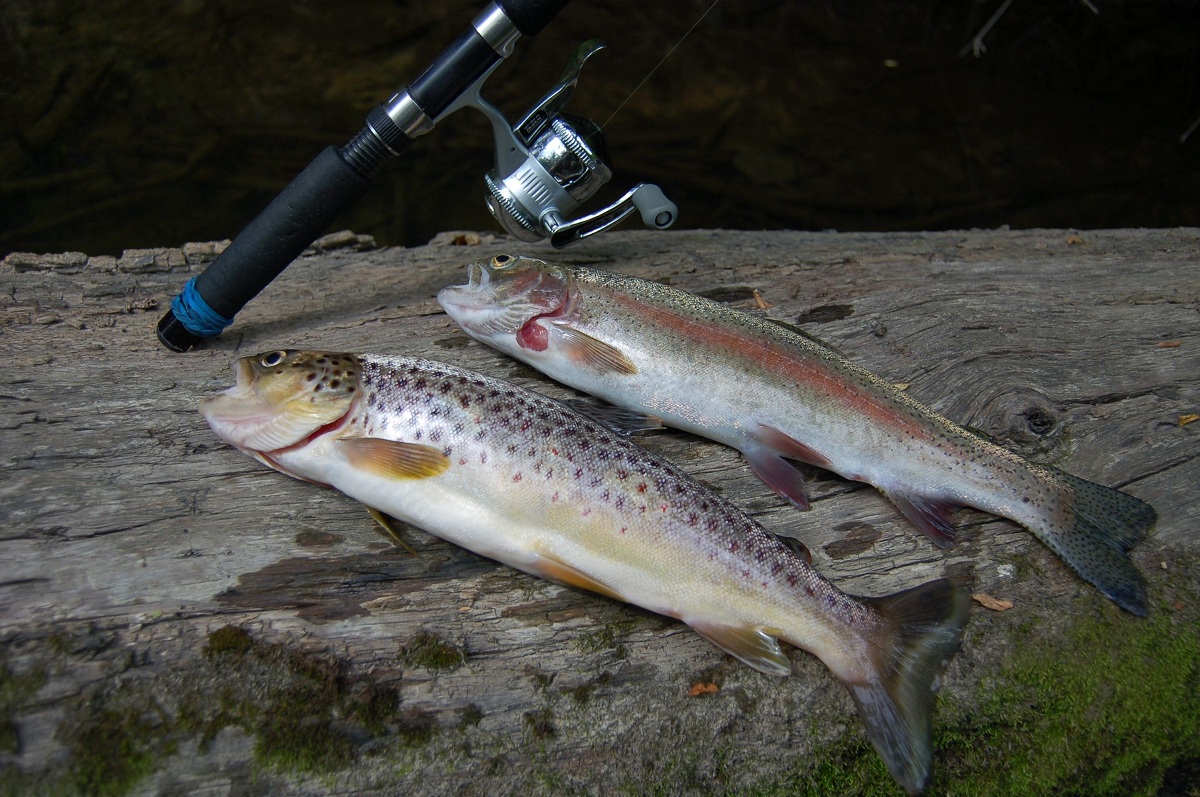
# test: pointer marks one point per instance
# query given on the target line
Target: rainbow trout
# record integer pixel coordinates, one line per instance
(517, 477)
(776, 395)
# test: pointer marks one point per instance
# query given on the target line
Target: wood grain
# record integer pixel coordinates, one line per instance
(129, 533)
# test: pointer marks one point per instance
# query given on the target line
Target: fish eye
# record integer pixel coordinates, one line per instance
(273, 359)
(502, 261)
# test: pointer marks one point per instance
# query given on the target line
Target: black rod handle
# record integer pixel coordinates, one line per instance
(339, 177)
(276, 237)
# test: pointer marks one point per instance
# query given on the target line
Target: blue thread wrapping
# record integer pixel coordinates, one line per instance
(195, 314)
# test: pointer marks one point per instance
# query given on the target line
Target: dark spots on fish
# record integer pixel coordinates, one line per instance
(808, 590)
(733, 546)
(417, 434)
(435, 436)
(622, 474)
(693, 519)
(516, 477)
(464, 401)
(512, 448)
(578, 473)
(334, 384)
(317, 387)
(641, 488)
(483, 458)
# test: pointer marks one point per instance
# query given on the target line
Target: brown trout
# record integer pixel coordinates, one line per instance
(776, 395)
(517, 477)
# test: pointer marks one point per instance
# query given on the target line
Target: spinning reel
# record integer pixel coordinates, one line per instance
(547, 164)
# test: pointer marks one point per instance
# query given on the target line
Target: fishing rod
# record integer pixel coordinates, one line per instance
(547, 165)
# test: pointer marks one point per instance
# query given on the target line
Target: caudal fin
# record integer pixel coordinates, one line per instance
(896, 701)
(1098, 528)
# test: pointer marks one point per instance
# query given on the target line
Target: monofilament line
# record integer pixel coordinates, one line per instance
(660, 63)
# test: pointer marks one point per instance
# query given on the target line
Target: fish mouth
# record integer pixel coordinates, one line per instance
(478, 309)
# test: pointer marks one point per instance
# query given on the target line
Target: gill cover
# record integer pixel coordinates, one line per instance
(282, 397)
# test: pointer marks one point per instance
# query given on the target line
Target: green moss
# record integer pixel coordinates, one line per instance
(1110, 709)
(609, 638)
(430, 651)
(228, 640)
(415, 728)
(117, 743)
(15, 692)
(470, 716)
(540, 723)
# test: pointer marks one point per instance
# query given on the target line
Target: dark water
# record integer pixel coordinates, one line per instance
(132, 125)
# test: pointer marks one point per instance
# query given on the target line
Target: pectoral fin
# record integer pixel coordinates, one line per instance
(589, 352)
(752, 645)
(393, 460)
(554, 569)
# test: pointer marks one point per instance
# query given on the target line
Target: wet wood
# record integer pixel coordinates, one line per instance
(129, 534)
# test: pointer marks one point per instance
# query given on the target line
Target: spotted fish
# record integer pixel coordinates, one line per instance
(777, 395)
(517, 477)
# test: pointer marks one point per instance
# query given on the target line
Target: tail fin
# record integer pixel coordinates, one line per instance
(896, 703)
(1102, 525)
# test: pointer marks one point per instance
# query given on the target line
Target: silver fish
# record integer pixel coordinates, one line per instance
(515, 476)
(776, 395)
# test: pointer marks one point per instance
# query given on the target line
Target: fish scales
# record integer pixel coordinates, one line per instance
(638, 508)
(518, 477)
(778, 395)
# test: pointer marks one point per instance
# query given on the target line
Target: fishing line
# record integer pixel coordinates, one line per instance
(660, 63)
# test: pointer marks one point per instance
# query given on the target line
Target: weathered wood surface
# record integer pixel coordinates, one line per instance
(128, 533)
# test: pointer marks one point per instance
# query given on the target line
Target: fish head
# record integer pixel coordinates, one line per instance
(505, 295)
(283, 398)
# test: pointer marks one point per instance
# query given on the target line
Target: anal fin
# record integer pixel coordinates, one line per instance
(753, 646)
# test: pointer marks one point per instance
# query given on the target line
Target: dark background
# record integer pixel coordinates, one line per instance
(134, 124)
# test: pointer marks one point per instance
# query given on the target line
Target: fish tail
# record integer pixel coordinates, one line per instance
(1094, 533)
(896, 698)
